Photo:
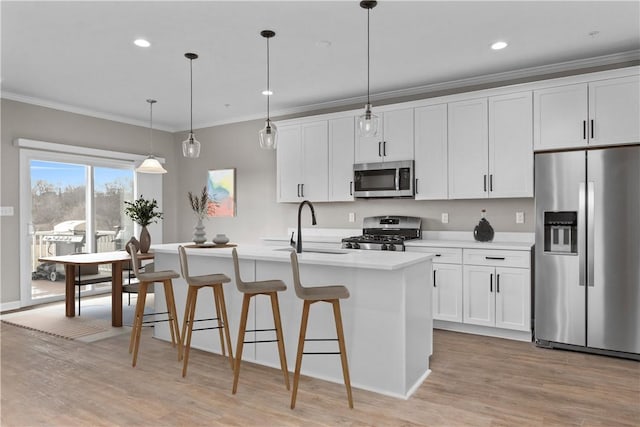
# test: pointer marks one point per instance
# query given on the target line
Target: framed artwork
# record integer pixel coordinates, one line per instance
(221, 184)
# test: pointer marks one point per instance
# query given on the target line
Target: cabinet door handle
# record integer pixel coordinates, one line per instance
(485, 183)
(497, 283)
(384, 148)
(302, 190)
(438, 255)
(351, 188)
(491, 282)
(584, 129)
(591, 128)
(416, 186)
(491, 182)
(298, 190)
(499, 258)
(379, 149)
(434, 278)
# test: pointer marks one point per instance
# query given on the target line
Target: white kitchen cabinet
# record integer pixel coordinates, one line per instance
(447, 282)
(495, 293)
(511, 145)
(468, 149)
(602, 112)
(431, 152)
(303, 162)
(490, 147)
(341, 159)
(394, 141)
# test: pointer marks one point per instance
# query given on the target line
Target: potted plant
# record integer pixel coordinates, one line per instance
(143, 212)
(201, 206)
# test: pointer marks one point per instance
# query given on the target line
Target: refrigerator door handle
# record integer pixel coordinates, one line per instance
(590, 232)
(582, 235)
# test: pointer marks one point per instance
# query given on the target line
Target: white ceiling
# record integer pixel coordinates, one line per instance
(79, 56)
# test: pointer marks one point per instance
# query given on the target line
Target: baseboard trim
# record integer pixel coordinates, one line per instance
(483, 330)
(6, 306)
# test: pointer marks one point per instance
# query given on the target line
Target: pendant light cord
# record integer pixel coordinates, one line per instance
(191, 74)
(268, 89)
(151, 126)
(368, 56)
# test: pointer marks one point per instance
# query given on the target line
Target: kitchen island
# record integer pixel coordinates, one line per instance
(387, 319)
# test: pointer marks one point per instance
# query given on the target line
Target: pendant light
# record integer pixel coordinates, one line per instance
(151, 164)
(368, 122)
(269, 134)
(191, 146)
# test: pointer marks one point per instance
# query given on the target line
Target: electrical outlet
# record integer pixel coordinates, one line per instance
(445, 218)
(352, 217)
(519, 217)
(6, 211)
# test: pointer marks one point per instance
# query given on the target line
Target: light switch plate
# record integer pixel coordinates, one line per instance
(352, 217)
(519, 217)
(445, 218)
(6, 211)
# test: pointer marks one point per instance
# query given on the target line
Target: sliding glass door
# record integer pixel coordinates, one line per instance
(76, 206)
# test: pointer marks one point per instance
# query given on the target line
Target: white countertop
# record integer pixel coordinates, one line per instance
(376, 260)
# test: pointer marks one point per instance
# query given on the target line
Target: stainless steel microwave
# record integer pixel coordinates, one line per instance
(388, 179)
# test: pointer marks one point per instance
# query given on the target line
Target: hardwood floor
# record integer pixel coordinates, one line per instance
(476, 380)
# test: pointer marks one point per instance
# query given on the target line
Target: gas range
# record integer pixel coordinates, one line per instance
(385, 233)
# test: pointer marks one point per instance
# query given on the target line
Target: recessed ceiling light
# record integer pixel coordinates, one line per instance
(499, 45)
(267, 92)
(141, 43)
(323, 43)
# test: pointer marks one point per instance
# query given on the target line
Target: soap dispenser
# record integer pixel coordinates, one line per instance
(483, 232)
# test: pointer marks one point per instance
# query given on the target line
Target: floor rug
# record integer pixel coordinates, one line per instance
(94, 324)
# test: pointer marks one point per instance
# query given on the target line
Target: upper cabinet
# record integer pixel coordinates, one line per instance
(431, 152)
(468, 149)
(341, 158)
(490, 147)
(511, 145)
(303, 162)
(602, 112)
(394, 141)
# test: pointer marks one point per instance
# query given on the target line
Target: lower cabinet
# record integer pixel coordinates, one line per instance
(481, 287)
(447, 292)
(497, 296)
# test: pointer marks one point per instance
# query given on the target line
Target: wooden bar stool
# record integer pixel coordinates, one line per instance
(146, 279)
(251, 289)
(333, 295)
(213, 281)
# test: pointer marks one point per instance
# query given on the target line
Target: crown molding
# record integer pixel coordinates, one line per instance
(523, 73)
(40, 102)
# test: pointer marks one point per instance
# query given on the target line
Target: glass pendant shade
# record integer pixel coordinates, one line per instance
(151, 165)
(191, 147)
(368, 123)
(268, 136)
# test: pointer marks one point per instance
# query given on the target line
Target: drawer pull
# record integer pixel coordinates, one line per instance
(499, 258)
(437, 255)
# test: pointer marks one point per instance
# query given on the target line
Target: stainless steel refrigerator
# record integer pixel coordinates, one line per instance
(587, 252)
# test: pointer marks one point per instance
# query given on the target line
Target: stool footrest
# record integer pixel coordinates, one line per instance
(259, 330)
(204, 320)
(322, 352)
(207, 329)
(157, 321)
(321, 339)
(259, 341)
(154, 314)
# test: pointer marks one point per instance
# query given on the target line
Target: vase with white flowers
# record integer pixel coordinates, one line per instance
(143, 212)
(201, 206)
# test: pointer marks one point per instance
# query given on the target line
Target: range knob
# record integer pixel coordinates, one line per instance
(392, 247)
(355, 245)
(383, 247)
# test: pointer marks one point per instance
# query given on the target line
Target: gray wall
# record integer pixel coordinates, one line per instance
(20, 120)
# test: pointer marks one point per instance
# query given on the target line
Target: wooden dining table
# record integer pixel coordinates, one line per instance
(115, 258)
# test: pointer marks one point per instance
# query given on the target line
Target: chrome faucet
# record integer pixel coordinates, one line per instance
(298, 244)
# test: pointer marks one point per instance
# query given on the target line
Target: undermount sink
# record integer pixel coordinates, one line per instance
(317, 251)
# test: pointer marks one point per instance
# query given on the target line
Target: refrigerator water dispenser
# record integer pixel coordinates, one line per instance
(561, 232)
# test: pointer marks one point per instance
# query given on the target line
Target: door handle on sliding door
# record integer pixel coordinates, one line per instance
(590, 232)
(582, 233)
